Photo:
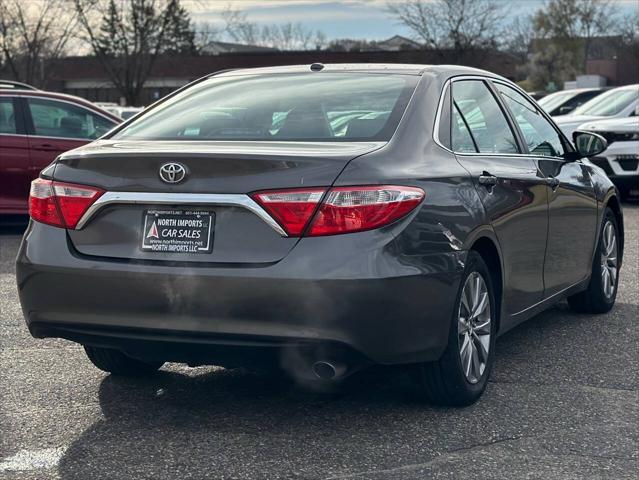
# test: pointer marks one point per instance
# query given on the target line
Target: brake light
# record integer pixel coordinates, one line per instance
(354, 209)
(60, 204)
(343, 210)
(291, 208)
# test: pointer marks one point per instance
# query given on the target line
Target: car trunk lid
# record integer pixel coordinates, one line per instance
(219, 175)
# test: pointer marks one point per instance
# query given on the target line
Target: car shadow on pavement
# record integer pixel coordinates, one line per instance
(235, 424)
(226, 424)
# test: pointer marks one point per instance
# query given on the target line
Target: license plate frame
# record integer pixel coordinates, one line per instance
(181, 231)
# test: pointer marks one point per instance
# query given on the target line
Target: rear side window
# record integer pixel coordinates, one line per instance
(278, 107)
(7, 116)
(481, 114)
(61, 119)
(540, 135)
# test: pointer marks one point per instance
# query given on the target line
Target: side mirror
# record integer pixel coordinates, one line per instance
(589, 144)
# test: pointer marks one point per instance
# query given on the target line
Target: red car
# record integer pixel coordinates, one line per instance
(35, 127)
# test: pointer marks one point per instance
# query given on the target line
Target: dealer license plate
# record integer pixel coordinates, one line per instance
(177, 231)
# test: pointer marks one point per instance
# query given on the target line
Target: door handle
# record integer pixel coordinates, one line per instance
(487, 179)
(552, 182)
(44, 146)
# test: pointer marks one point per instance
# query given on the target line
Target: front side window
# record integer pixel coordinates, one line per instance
(61, 119)
(480, 113)
(7, 116)
(541, 137)
(280, 107)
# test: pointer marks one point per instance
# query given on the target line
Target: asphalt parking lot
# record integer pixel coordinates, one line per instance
(563, 403)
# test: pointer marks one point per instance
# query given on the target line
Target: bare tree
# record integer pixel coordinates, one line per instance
(519, 36)
(284, 36)
(564, 31)
(575, 23)
(459, 25)
(206, 33)
(628, 29)
(127, 36)
(32, 35)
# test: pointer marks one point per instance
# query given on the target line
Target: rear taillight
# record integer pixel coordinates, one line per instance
(353, 209)
(60, 204)
(291, 208)
(343, 209)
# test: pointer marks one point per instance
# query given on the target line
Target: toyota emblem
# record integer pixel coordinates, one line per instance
(172, 172)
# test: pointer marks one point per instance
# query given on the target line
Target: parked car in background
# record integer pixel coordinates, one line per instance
(565, 101)
(621, 160)
(124, 112)
(11, 85)
(335, 217)
(537, 95)
(106, 105)
(621, 102)
(35, 127)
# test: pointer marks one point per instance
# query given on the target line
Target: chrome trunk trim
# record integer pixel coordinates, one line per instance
(238, 200)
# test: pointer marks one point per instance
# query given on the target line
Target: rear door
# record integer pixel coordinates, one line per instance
(513, 195)
(572, 202)
(15, 174)
(56, 126)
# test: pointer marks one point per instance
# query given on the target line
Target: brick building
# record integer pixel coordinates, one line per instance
(85, 77)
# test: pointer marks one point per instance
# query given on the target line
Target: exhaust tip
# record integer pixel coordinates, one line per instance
(324, 370)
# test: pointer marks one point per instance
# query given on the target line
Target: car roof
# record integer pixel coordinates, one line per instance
(59, 96)
(634, 86)
(398, 68)
(576, 91)
(13, 85)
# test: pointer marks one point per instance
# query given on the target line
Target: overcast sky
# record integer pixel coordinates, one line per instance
(340, 18)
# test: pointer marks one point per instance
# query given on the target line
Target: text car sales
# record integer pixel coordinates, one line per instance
(179, 233)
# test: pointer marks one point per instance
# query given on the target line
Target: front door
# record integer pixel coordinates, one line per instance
(572, 224)
(572, 205)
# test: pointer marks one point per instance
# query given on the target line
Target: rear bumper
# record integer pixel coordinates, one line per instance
(350, 293)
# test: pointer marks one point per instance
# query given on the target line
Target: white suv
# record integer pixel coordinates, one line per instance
(621, 159)
(619, 102)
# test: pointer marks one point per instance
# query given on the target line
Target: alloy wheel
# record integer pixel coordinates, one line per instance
(609, 260)
(473, 327)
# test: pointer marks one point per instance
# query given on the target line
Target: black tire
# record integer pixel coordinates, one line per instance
(118, 363)
(444, 381)
(594, 298)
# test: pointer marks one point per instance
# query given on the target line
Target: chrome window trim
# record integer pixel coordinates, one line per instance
(85, 140)
(238, 200)
(440, 106)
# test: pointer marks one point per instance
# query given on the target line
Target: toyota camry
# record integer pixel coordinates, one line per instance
(321, 219)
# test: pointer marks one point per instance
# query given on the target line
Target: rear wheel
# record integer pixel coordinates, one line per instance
(118, 363)
(460, 376)
(602, 289)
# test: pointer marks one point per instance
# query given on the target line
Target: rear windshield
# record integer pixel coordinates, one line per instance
(552, 101)
(322, 107)
(610, 103)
